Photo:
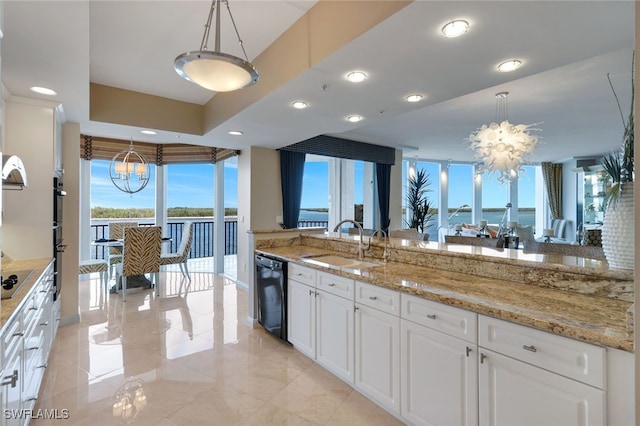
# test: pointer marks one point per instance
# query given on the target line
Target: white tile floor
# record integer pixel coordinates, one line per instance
(200, 362)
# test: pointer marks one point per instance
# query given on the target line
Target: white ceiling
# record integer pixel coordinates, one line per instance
(567, 49)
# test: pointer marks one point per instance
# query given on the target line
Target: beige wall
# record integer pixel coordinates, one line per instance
(70, 220)
(259, 200)
(28, 214)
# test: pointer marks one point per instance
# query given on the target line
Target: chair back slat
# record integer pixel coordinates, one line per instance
(141, 250)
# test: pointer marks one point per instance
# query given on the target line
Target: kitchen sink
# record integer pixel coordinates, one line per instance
(339, 261)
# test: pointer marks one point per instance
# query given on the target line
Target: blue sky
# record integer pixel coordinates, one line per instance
(192, 186)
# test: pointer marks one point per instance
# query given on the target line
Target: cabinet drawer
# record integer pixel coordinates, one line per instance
(301, 274)
(12, 336)
(577, 360)
(379, 298)
(340, 286)
(447, 319)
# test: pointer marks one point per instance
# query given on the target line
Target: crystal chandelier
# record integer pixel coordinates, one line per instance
(129, 400)
(501, 147)
(215, 70)
(129, 170)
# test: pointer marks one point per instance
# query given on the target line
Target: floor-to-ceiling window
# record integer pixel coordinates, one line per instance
(490, 197)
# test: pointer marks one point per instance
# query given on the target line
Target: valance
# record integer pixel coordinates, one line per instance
(101, 148)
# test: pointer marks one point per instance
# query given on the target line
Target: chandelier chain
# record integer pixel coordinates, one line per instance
(207, 28)
(233, 21)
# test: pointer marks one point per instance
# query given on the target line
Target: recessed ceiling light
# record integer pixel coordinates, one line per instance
(236, 133)
(354, 118)
(508, 66)
(356, 76)
(43, 91)
(299, 105)
(148, 132)
(414, 98)
(455, 28)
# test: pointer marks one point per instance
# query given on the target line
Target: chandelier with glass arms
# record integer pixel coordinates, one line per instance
(502, 147)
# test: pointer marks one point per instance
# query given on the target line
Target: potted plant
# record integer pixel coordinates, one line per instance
(618, 225)
(418, 202)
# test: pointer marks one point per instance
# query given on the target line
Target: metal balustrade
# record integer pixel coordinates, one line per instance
(202, 245)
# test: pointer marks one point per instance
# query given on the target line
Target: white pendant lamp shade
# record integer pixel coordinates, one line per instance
(215, 70)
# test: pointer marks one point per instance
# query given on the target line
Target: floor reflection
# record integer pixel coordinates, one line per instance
(199, 360)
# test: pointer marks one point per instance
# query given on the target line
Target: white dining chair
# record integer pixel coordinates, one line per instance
(180, 256)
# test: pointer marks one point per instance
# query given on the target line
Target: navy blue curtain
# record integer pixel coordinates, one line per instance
(383, 179)
(291, 172)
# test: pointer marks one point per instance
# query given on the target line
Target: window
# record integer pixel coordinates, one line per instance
(107, 201)
(314, 206)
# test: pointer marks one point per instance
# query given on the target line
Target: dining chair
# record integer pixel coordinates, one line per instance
(141, 255)
(180, 256)
(116, 232)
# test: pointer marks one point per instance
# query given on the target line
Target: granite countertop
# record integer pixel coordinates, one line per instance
(597, 320)
(9, 306)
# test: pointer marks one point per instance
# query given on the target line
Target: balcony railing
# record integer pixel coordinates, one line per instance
(202, 245)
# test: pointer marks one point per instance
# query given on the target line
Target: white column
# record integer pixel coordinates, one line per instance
(85, 210)
(218, 220)
(161, 202)
(513, 199)
(443, 209)
(335, 180)
(477, 195)
(346, 188)
(370, 203)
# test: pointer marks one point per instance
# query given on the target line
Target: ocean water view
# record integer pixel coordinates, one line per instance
(492, 216)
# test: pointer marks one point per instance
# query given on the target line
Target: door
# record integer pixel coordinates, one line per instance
(378, 356)
(516, 393)
(439, 377)
(301, 317)
(334, 339)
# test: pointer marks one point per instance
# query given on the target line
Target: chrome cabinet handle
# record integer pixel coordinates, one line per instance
(482, 358)
(431, 316)
(44, 324)
(18, 334)
(469, 350)
(10, 380)
(373, 297)
(530, 348)
(33, 348)
(332, 284)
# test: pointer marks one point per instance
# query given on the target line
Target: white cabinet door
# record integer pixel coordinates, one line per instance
(301, 317)
(515, 393)
(378, 356)
(12, 378)
(439, 376)
(334, 339)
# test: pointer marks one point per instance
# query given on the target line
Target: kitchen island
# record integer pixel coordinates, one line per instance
(450, 334)
(574, 297)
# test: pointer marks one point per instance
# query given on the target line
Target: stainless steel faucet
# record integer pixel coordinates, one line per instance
(361, 247)
(385, 253)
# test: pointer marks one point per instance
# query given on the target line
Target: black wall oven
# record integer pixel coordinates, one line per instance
(58, 246)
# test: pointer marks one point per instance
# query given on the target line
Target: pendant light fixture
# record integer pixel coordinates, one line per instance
(129, 170)
(501, 147)
(215, 70)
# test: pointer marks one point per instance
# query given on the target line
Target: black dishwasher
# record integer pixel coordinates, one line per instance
(271, 286)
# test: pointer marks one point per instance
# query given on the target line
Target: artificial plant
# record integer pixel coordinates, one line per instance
(418, 202)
